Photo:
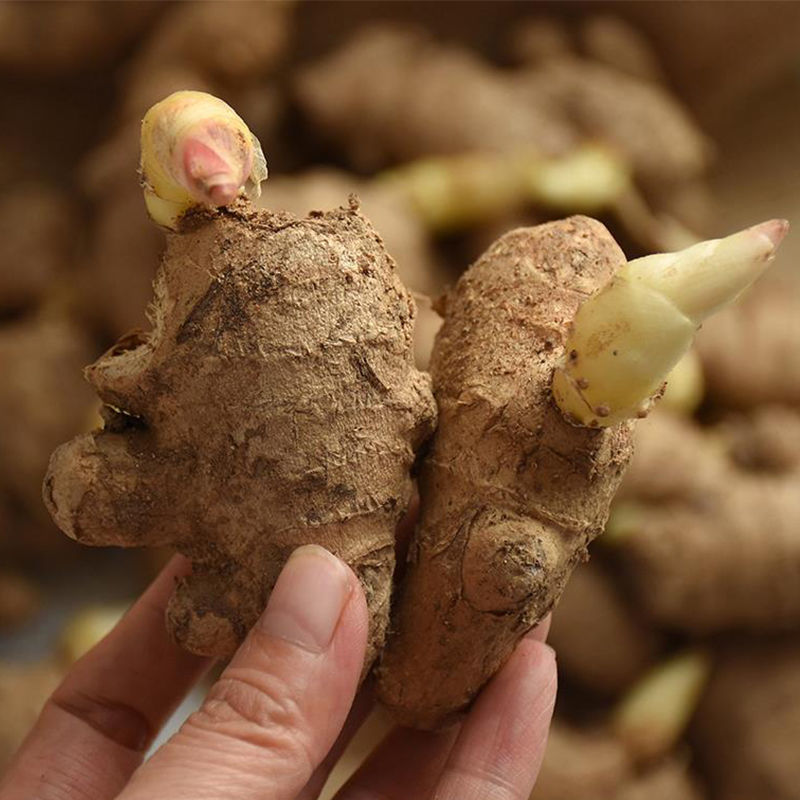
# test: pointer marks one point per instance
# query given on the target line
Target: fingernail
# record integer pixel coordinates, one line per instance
(308, 599)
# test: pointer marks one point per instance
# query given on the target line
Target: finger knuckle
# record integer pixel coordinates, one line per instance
(260, 710)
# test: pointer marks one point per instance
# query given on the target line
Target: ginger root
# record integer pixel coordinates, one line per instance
(511, 492)
(274, 403)
(519, 480)
(703, 523)
(394, 93)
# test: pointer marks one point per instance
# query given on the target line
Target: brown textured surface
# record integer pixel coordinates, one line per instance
(747, 727)
(404, 235)
(275, 403)
(511, 493)
(714, 546)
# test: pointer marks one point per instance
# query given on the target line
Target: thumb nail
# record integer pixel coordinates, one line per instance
(308, 599)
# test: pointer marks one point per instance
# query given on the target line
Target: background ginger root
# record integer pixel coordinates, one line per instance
(37, 243)
(511, 493)
(704, 525)
(394, 94)
(600, 640)
(751, 352)
(274, 403)
(748, 724)
(589, 764)
(44, 400)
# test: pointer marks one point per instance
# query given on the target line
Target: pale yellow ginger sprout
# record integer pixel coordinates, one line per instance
(196, 150)
(653, 715)
(627, 337)
(451, 192)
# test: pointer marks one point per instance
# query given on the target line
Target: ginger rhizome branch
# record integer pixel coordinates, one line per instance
(514, 489)
(627, 337)
(274, 403)
(511, 494)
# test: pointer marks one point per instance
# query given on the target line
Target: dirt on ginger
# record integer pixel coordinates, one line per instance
(407, 241)
(274, 403)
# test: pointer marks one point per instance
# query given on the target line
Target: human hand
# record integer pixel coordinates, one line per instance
(276, 721)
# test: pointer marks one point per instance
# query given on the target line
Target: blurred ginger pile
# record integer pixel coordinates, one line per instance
(678, 643)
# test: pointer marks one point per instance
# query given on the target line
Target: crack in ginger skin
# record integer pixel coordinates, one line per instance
(274, 404)
(511, 492)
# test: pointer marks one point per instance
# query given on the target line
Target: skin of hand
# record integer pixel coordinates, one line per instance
(276, 721)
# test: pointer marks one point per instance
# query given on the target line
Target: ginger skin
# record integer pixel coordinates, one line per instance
(274, 403)
(511, 492)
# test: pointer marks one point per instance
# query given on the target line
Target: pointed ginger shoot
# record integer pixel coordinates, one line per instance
(628, 336)
(653, 715)
(196, 150)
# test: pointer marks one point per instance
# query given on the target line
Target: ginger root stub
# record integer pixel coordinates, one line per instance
(511, 492)
(274, 403)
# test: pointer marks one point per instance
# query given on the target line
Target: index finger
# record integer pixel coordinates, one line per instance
(97, 726)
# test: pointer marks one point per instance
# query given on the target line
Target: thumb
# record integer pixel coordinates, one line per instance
(276, 710)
